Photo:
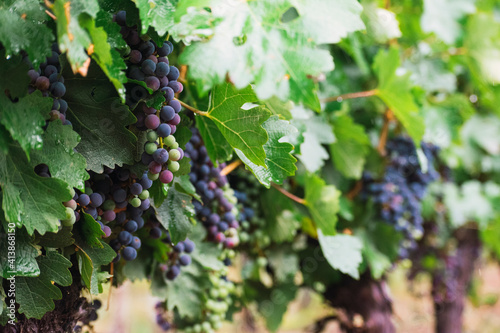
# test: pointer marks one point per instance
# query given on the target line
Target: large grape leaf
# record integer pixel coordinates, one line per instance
(350, 149)
(175, 213)
(381, 24)
(100, 118)
(35, 295)
(73, 38)
(25, 119)
(218, 148)
(395, 91)
(23, 26)
(442, 17)
(89, 231)
(343, 252)
(281, 222)
(25, 253)
(28, 199)
(58, 153)
(158, 14)
(279, 161)
(281, 54)
(90, 260)
(323, 203)
(242, 128)
(313, 132)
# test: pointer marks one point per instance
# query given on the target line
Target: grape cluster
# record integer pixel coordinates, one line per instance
(90, 315)
(216, 210)
(48, 79)
(148, 63)
(402, 187)
(177, 257)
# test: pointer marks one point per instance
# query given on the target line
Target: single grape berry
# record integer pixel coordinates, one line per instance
(167, 113)
(160, 155)
(131, 226)
(152, 121)
(129, 253)
(125, 237)
(148, 67)
(184, 260)
(136, 188)
(163, 130)
(166, 176)
(84, 199)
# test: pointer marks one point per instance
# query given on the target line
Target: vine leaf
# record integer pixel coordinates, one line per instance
(282, 55)
(218, 148)
(395, 91)
(241, 128)
(100, 118)
(25, 263)
(343, 252)
(90, 260)
(175, 213)
(313, 133)
(23, 26)
(35, 295)
(279, 161)
(323, 203)
(25, 119)
(281, 223)
(58, 153)
(158, 14)
(89, 230)
(351, 147)
(28, 199)
(442, 17)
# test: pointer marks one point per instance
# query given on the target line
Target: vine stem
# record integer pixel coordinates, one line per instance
(230, 167)
(111, 270)
(358, 94)
(190, 108)
(388, 116)
(355, 190)
(289, 195)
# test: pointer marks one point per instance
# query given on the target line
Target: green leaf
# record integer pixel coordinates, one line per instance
(285, 264)
(90, 260)
(14, 79)
(25, 253)
(395, 91)
(313, 132)
(158, 192)
(323, 203)
(279, 108)
(205, 253)
(109, 59)
(279, 161)
(343, 252)
(89, 230)
(72, 17)
(242, 128)
(350, 150)
(183, 185)
(23, 26)
(381, 24)
(25, 119)
(175, 213)
(218, 149)
(442, 17)
(281, 223)
(28, 199)
(59, 239)
(158, 14)
(58, 153)
(100, 118)
(35, 295)
(282, 55)
(185, 293)
(273, 303)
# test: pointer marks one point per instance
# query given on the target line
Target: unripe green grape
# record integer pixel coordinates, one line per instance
(135, 202)
(153, 176)
(244, 237)
(144, 195)
(174, 145)
(197, 328)
(72, 191)
(262, 262)
(217, 326)
(88, 191)
(70, 217)
(108, 205)
(188, 330)
(169, 140)
(173, 166)
(174, 155)
(214, 293)
(206, 326)
(152, 136)
(150, 148)
(223, 292)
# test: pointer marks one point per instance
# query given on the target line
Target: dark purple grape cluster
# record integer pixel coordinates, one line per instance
(215, 211)
(148, 62)
(402, 187)
(178, 257)
(160, 317)
(48, 79)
